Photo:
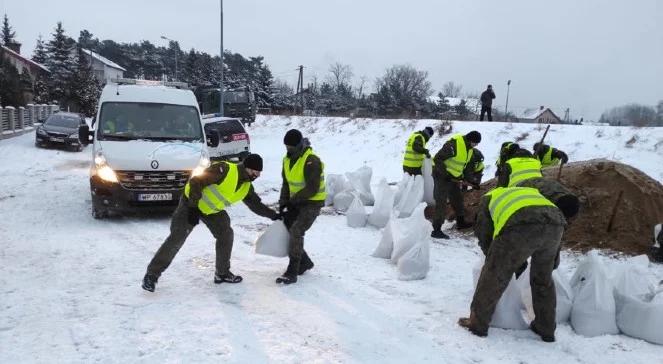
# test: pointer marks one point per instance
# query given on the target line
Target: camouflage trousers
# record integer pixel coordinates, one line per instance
(446, 189)
(298, 221)
(507, 252)
(219, 226)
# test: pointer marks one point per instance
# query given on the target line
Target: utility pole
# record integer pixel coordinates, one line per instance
(177, 51)
(300, 87)
(221, 56)
(506, 107)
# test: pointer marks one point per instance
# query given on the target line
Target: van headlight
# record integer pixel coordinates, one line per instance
(202, 165)
(104, 171)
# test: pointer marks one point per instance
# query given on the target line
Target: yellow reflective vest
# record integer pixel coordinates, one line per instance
(411, 158)
(295, 176)
(456, 164)
(505, 201)
(523, 168)
(548, 160)
(479, 166)
(216, 197)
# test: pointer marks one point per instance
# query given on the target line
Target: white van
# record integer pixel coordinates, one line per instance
(147, 141)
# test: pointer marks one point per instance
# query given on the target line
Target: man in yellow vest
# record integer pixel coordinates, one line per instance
(549, 156)
(513, 224)
(415, 151)
(506, 150)
(302, 196)
(449, 164)
(206, 198)
(521, 166)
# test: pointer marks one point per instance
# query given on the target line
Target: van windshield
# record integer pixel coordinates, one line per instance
(151, 121)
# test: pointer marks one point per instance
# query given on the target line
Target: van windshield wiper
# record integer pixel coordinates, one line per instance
(120, 137)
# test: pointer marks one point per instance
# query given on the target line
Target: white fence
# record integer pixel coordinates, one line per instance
(16, 121)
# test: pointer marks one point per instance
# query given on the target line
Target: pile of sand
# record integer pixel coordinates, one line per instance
(597, 183)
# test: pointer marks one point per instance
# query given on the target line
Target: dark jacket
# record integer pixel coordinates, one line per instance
(215, 174)
(312, 174)
(484, 228)
(487, 98)
(418, 145)
(470, 174)
(447, 151)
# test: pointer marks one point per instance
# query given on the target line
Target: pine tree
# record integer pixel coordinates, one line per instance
(7, 33)
(40, 90)
(85, 87)
(39, 55)
(60, 63)
(11, 91)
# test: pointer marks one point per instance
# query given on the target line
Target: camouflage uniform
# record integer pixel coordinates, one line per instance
(446, 186)
(418, 147)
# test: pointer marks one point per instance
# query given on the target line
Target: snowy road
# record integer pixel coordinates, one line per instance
(70, 285)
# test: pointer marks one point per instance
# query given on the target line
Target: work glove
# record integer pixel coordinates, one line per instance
(193, 216)
(521, 269)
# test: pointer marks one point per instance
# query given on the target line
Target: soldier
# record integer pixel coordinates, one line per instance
(302, 196)
(513, 224)
(415, 151)
(520, 166)
(206, 198)
(473, 172)
(549, 156)
(449, 164)
(506, 150)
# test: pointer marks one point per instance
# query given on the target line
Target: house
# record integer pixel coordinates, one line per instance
(27, 68)
(542, 115)
(104, 69)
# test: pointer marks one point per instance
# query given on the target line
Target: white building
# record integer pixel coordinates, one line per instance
(542, 115)
(104, 69)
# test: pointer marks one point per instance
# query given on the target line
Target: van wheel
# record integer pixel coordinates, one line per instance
(98, 213)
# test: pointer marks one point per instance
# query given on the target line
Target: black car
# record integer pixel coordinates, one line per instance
(60, 129)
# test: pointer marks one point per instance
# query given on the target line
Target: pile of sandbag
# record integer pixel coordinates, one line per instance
(356, 215)
(384, 202)
(405, 243)
(409, 194)
(341, 190)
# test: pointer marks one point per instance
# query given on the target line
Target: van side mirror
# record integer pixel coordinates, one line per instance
(212, 139)
(84, 134)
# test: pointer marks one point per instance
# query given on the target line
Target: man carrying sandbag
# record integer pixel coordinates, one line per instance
(449, 164)
(302, 196)
(513, 224)
(206, 198)
(415, 151)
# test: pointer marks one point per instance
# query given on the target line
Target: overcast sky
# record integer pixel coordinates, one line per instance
(586, 55)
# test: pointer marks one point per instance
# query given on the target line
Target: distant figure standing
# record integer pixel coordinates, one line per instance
(487, 103)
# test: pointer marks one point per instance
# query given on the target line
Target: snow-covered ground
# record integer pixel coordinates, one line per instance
(70, 285)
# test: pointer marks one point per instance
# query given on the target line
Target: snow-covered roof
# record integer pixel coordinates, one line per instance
(147, 94)
(27, 60)
(533, 113)
(103, 60)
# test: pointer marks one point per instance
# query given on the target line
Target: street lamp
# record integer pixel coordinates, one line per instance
(176, 54)
(506, 107)
(221, 56)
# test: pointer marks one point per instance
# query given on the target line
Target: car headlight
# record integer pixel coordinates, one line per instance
(42, 132)
(104, 171)
(202, 165)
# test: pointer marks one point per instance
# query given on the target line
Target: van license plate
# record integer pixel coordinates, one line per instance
(155, 197)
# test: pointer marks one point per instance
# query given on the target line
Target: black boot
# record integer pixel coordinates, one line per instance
(305, 264)
(546, 338)
(462, 224)
(149, 282)
(227, 278)
(437, 231)
(290, 275)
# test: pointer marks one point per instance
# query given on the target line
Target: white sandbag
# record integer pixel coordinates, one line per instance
(412, 197)
(639, 318)
(384, 203)
(429, 183)
(343, 200)
(510, 312)
(360, 180)
(335, 183)
(634, 281)
(415, 263)
(274, 240)
(563, 293)
(407, 232)
(401, 187)
(593, 312)
(356, 215)
(386, 244)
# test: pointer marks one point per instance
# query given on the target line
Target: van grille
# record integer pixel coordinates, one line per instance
(149, 180)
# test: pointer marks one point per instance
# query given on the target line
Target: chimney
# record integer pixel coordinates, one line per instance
(541, 107)
(14, 46)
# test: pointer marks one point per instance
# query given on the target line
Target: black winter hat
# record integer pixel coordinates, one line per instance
(292, 138)
(429, 131)
(253, 161)
(473, 136)
(569, 204)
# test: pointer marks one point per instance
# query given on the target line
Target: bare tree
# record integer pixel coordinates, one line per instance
(451, 89)
(340, 75)
(403, 88)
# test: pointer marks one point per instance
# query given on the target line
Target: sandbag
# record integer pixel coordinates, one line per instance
(384, 203)
(407, 232)
(360, 180)
(510, 312)
(593, 311)
(386, 244)
(411, 197)
(415, 263)
(356, 215)
(335, 183)
(639, 318)
(429, 183)
(563, 293)
(634, 281)
(274, 240)
(343, 200)
(401, 187)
